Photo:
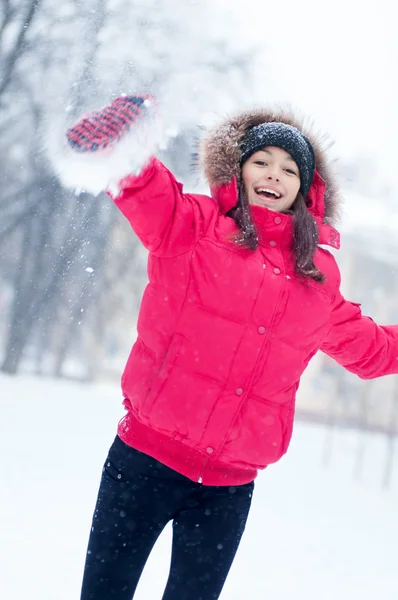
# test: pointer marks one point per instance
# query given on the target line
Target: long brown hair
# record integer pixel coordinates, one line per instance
(305, 234)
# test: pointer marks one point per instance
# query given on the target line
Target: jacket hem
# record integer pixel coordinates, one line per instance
(192, 463)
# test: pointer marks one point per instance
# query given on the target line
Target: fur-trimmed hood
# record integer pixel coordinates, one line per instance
(220, 155)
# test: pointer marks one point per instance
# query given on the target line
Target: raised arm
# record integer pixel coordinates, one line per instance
(167, 221)
(115, 141)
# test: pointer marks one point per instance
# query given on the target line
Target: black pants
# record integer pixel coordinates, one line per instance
(138, 496)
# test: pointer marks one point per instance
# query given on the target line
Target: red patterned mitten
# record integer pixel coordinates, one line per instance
(104, 127)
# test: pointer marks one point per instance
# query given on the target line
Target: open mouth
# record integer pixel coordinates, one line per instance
(268, 193)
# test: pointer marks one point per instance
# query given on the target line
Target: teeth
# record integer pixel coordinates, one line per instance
(269, 192)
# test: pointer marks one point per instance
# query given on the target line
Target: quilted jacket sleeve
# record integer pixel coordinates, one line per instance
(360, 345)
(167, 221)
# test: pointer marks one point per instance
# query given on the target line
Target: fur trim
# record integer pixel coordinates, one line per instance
(102, 170)
(220, 152)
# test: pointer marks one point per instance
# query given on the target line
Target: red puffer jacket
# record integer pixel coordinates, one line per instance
(225, 333)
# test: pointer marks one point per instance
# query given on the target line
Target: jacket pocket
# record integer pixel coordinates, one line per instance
(161, 376)
(258, 436)
(139, 374)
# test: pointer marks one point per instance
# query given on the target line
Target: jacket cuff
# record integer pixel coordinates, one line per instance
(135, 180)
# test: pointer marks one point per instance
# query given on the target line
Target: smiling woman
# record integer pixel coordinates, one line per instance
(277, 170)
(271, 179)
(240, 297)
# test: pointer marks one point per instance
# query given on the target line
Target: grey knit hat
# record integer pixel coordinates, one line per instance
(289, 139)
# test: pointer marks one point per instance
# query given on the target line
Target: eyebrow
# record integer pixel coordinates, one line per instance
(270, 153)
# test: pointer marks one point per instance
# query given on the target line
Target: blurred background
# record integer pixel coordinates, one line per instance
(72, 272)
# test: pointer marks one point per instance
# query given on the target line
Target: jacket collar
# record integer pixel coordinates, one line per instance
(226, 196)
(273, 229)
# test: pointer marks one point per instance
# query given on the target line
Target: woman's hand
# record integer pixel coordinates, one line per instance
(102, 128)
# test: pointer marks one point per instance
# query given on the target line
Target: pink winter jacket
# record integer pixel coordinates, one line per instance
(225, 333)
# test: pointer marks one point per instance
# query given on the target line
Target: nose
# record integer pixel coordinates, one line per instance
(273, 174)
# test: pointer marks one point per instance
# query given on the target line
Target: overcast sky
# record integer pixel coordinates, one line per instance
(336, 62)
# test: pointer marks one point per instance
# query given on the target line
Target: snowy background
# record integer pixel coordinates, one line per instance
(71, 273)
(324, 522)
(316, 530)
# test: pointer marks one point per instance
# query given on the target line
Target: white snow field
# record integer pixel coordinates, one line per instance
(315, 532)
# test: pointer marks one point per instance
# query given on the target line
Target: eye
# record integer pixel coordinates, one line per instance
(262, 163)
(291, 172)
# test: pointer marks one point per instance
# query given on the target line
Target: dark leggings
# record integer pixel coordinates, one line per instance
(138, 496)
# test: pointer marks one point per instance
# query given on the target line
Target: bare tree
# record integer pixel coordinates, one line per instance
(15, 24)
(59, 60)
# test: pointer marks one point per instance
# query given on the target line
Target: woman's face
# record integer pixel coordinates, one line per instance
(271, 179)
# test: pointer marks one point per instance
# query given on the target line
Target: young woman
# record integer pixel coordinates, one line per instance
(240, 298)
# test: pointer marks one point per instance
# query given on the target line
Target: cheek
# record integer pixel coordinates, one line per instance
(294, 188)
(292, 194)
(247, 177)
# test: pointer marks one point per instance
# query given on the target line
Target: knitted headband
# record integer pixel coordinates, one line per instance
(289, 139)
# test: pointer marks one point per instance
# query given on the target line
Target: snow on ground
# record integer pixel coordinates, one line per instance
(315, 531)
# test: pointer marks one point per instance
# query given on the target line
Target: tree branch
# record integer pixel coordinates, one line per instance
(7, 15)
(16, 51)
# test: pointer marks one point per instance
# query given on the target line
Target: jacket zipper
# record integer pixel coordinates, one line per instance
(265, 342)
(256, 366)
